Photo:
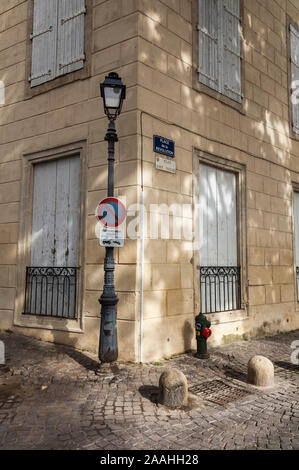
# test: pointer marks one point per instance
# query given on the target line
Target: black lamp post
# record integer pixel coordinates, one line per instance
(113, 93)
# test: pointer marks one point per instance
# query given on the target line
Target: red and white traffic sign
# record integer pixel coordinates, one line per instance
(111, 212)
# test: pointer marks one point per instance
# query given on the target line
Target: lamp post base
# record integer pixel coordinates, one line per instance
(108, 349)
(202, 356)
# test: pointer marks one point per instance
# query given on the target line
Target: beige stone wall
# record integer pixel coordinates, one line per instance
(149, 42)
(62, 116)
(258, 138)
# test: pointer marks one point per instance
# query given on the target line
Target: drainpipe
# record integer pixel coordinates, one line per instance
(141, 275)
(141, 263)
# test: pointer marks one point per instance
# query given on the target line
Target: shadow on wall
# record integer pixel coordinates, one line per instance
(188, 333)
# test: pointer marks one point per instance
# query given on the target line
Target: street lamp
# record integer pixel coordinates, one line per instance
(113, 93)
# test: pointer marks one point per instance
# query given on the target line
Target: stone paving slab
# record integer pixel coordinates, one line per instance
(55, 397)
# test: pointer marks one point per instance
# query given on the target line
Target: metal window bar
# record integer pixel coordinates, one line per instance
(232, 90)
(230, 12)
(51, 292)
(294, 31)
(206, 33)
(297, 279)
(40, 33)
(231, 51)
(72, 17)
(295, 63)
(220, 289)
(215, 80)
(73, 61)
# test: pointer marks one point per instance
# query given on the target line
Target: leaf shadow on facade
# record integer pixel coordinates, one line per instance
(263, 133)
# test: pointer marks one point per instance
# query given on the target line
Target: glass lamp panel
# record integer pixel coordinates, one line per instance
(112, 97)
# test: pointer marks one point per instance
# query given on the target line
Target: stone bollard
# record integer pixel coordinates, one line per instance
(173, 389)
(260, 372)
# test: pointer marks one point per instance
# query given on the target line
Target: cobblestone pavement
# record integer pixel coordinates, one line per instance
(54, 397)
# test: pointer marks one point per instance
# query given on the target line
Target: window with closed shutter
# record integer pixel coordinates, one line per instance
(219, 29)
(51, 276)
(294, 48)
(219, 267)
(57, 39)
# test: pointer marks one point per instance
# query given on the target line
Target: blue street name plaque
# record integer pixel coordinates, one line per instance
(164, 146)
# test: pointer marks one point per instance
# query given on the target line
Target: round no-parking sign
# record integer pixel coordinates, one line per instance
(111, 212)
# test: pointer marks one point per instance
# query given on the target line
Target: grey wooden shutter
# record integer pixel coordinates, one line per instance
(54, 240)
(294, 37)
(208, 30)
(70, 46)
(220, 46)
(43, 215)
(44, 37)
(231, 50)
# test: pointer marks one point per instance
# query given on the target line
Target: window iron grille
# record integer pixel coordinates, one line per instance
(51, 292)
(220, 289)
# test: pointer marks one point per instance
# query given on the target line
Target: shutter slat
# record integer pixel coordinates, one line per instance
(208, 43)
(203, 211)
(67, 206)
(61, 215)
(232, 50)
(294, 38)
(70, 51)
(43, 218)
(212, 246)
(43, 38)
(74, 206)
(226, 219)
(61, 232)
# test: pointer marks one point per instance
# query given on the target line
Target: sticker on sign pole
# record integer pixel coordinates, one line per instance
(111, 212)
(112, 238)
